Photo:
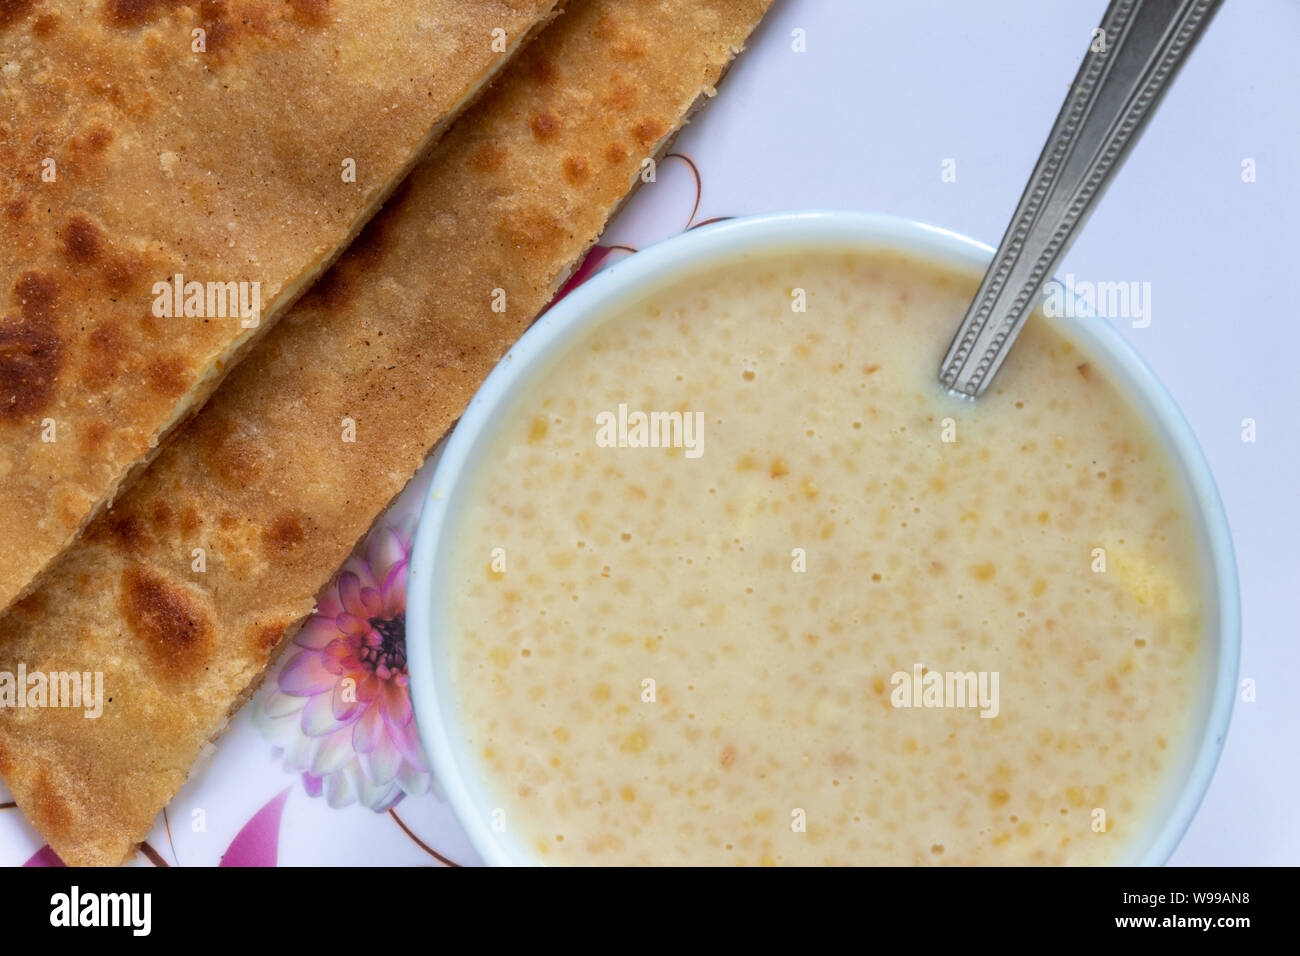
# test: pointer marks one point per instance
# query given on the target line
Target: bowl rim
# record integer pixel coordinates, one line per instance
(590, 303)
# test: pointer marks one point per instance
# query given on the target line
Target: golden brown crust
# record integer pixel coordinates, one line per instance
(396, 338)
(126, 157)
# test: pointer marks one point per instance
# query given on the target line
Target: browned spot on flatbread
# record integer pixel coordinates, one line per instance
(230, 455)
(11, 11)
(36, 292)
(120, 273)
(334, 289)
(285, 535)
(257, 19)
(532, 227)
(191, 521)
(94, 440)
(154, 328)
(264, 637)
(631, 48)
(29, 364)
(650, 131)
(576, 170)
(615, 153)
(93, 142)
(82, 239)
(130, 13)
(48, 808)
(623, 96)
(31, 350)
(105, 354)
(310, 13)
(607, 27)
(126, 529)
(33, 604)
(162, 516)
(45, 25)
(488, 158)
(168, 376)
(212, 14)
(16, 209)
(374, 239)
(542, 70)
(166, 618)
(99, 138)
(545, 125)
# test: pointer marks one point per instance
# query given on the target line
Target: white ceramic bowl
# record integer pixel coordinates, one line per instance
(427, 623)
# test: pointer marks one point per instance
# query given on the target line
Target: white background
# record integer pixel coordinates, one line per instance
(885, 93)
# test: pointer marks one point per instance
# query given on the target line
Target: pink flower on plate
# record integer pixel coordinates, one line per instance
(340, 710)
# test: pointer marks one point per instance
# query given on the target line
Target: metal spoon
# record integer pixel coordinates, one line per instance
(1132, 58)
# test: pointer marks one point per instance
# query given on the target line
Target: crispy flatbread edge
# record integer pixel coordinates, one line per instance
(211, 377)
(661, 150)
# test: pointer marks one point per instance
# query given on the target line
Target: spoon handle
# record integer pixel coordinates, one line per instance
(1131, 60)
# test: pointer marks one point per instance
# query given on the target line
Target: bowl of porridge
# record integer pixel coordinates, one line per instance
(714, 571)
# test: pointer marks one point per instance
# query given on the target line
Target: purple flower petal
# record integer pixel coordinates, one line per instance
(408, 743)
(44, 857)
(306, 676)
(379, 797)
(333, 753)
(395, 591)
(350, 593)
(414, 781)
(300, 752)
(386, 550)
(318, 716)
(381, 764)
(341, 788)
(329, 605)
(368, 731)
(345, 710)
(373, 601)
(352, 625)
(278, 706)
(257, 843)
(311, 783)
(317, 633)
(397, 705)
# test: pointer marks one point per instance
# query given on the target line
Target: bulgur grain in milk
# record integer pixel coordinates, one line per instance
(847, 618)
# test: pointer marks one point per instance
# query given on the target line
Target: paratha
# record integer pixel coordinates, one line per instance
(172, 176)
(395, 339)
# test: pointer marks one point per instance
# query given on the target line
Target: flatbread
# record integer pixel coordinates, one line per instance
(396, 338)
(127, 159)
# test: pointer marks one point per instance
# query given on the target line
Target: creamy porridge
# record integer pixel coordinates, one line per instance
(842, 617)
